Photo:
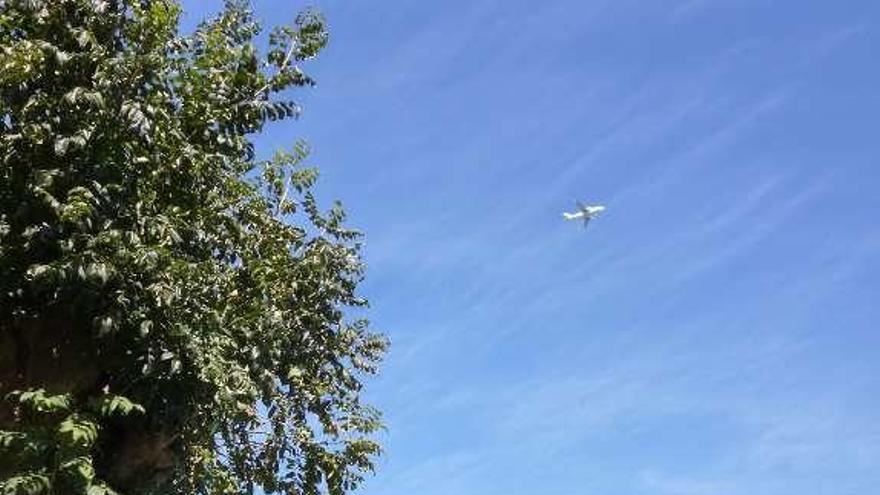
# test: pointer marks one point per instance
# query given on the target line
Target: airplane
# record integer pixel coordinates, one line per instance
(586, 212)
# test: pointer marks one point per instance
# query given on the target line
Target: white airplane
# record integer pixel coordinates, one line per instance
(585, 212)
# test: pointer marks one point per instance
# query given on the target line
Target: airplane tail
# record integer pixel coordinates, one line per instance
(569, 216)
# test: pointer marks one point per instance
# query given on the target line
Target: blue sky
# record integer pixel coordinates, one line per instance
(715, 333)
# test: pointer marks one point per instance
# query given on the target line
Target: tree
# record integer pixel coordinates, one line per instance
(172, 309)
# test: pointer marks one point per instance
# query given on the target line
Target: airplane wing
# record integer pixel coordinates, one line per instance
(580, 206)
(586, 220)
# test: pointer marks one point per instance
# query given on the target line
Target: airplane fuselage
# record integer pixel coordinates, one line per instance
(585, 213)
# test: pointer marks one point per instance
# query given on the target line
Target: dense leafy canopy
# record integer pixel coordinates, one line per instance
(172, 309)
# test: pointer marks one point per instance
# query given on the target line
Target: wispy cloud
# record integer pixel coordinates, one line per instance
(687, 8)
(750, 231)
(664, 484)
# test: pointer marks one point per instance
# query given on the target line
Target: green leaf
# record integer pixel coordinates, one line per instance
(77, 431)
(100, 489)
(78, 472)
(116, 405)
(34, 483)
(41, 402)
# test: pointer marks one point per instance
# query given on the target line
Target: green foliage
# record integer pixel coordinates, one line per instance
(206, 288)
(52, 448)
